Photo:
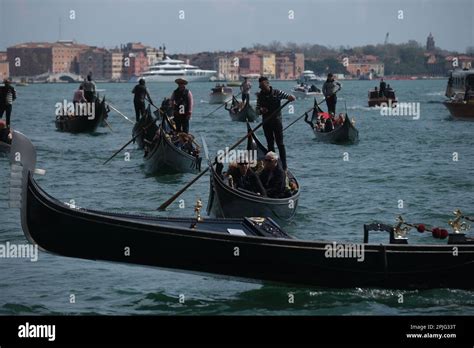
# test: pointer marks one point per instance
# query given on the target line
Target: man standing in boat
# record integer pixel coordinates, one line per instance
(330, 88)
(182, 101)
(89, 89)
(383, 88)
(268, 101)
(141, 94)
(7, 96)
(245, 89)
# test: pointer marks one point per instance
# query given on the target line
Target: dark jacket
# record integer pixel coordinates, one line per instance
(141, 92)
(271, 101)
(7, 94)
(249, 181)
(181, 98)
(274, 182)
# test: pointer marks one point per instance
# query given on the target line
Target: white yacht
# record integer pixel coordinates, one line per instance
(309, 75)
(169, 70)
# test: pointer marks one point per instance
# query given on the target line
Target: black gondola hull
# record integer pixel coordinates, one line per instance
(226, 202)
(82, 124)
(147, 241)
(346, 133)
(165, 157)
(246, 114)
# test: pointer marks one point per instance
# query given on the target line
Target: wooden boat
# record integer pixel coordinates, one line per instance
(345, 133)
(234, 83)
(148, 123)
(303, 92)
(248, 113)
(227, 202)
(220, 94)
(389, 99)
(461, 110)
(165, 157)
(83, 124)
(255, 249)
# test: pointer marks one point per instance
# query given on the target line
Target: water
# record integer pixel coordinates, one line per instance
(397, 158)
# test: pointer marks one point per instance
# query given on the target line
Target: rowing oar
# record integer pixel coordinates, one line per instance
(233, 96)
(241, 140)
(299, 118)
(118, 112)
(133, 139)
(108, 125)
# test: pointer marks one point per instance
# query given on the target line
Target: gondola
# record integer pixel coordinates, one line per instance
(83, 124)
(145, 128)
(227, 202)
(460, 110)
(248, 113)
(388, 99)
(162, 156)
(254, 249)
(220, 94)
(345, 133)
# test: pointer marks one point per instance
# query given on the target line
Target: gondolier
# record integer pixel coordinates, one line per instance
(330, 88)
(245, 89)
(89, 89)
(268, 100)
(182, 101)
(141, 94)
(7, 97)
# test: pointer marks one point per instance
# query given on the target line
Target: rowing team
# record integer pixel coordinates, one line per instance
(266, 179)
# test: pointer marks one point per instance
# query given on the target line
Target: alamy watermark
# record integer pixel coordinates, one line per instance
(21, 251)
(400, 109)
(229, 156)
(345, 251)
(66, 108)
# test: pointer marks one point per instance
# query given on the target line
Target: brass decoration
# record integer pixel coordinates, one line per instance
(458, 224)
(400, 229)
(197, 210)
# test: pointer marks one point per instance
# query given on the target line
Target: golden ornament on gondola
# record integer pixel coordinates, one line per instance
(458, 224)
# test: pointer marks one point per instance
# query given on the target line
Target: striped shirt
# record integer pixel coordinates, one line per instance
(276, 93)
(9, 95)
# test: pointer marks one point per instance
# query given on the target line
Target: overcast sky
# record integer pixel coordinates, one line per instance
(211, 25)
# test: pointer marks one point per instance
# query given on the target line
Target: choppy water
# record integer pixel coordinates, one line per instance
(397, 158)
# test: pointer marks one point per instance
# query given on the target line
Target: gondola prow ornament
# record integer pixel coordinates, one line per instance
(400, 229)
(458, 225)
(197, 210)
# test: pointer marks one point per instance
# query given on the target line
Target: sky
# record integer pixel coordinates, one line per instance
(214, 25)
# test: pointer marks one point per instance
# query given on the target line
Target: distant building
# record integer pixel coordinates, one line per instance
(113, 65)
(35, 58)
(92, 62)
(250, 63)
(463, 62)
(289, 66)
(268, 65)
(365, 66)
(4, 66)
(134, 64)
(430, 43)
(227, 67)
